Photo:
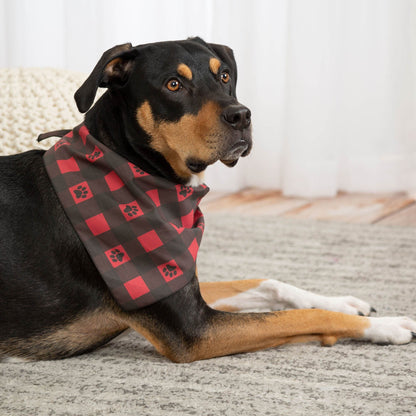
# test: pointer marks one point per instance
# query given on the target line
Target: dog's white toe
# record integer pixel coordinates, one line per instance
(391, 330)
(346, 304)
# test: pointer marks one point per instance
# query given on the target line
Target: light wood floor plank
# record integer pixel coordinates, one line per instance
(352, 208)
(404, 217)
(392, 209)
(253, 201)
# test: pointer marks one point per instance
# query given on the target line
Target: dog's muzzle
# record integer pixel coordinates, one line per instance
(238, 117)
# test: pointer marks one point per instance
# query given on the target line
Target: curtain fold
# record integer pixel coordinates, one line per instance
(331, 83)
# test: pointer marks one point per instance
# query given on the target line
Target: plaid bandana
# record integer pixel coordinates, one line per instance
(141, 231)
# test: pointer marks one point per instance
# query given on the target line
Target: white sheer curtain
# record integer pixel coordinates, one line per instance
(331, 83)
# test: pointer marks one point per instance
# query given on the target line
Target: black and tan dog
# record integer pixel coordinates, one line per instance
(171, 109)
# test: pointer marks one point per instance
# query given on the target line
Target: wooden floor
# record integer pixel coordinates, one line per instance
(392, 209)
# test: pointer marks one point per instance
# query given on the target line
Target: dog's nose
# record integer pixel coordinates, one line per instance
(237, 116)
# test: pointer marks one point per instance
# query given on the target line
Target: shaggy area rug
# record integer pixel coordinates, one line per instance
(127, 376)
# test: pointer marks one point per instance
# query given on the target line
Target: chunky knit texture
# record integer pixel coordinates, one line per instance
(33, 101)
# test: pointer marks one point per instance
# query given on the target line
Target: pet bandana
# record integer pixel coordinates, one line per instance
(141, 231)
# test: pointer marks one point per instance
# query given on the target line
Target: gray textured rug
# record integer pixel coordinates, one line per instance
(127, 377)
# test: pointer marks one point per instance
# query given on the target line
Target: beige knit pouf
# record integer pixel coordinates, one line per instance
(34, 101)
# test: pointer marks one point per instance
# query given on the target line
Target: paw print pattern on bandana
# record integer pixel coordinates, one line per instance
(183, 192)
(81, 192)
(117, 256)
(131, 210)
(62, 142)
(137, 172)
(170, 270)
(95, 155)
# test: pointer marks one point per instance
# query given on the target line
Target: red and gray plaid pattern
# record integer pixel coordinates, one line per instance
(141, 231)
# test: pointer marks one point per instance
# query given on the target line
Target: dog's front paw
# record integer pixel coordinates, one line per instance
(345, 304)
(397, 330)
(303, 299)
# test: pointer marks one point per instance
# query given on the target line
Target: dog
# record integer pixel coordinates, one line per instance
(170, 109)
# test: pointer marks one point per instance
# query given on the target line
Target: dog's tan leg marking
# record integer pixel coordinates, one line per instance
(214, 292)
(228, 333)
(231, 333)
(235, 333)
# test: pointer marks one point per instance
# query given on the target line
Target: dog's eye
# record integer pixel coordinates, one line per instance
(173, 85)
(225, 77)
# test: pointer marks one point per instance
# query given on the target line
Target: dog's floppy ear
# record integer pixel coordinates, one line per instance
(112, 70)
(226, 55)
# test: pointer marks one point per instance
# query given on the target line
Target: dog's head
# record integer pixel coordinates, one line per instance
(182, 95)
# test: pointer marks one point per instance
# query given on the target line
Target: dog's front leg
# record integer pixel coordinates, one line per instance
(183, 328)
(235, 333)
(272, 295)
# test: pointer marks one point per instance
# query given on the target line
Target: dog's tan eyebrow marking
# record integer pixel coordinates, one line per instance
(185, 71)
(214, 65)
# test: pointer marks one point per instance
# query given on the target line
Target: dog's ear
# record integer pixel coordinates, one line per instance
(226, 55)
(111, 71)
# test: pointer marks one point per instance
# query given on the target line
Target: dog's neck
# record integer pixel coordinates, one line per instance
(110, 121)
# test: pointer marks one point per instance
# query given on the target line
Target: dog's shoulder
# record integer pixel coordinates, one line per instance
(21, 175)
(13, 164)
(24, 185)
